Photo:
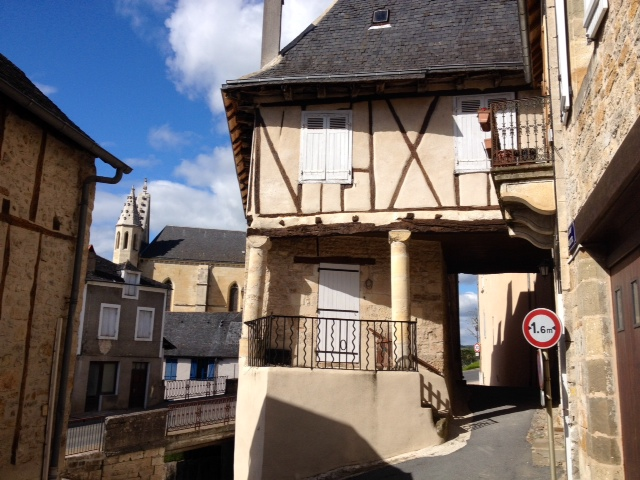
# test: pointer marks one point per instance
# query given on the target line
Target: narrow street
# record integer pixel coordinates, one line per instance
(490, 444)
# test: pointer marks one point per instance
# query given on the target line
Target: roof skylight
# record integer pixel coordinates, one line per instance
(380, 18)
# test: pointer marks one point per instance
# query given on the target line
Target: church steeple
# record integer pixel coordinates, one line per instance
(144, 212)
(129, 232)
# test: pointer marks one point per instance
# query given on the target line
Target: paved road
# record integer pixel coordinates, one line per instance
(472, 376)
(496, 449)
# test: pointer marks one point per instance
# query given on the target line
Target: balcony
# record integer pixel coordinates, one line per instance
(332, 343)
(522, 167)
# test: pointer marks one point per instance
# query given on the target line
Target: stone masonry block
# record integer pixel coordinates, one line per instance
(594, 298)
(602, 417)
(599, 377)
(603, 449)
(597, 336)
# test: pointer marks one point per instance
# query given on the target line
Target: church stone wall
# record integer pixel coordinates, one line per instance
(197, 287)
(40, 189)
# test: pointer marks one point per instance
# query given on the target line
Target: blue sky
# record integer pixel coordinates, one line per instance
(142, 78)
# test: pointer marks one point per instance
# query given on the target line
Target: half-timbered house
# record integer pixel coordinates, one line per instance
(365, 177)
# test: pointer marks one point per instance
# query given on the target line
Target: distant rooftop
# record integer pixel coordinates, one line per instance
(203, 334)
(107, 271)
(197, 244)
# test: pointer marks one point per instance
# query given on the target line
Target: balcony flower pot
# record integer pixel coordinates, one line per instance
(484, 119)
(487, 146)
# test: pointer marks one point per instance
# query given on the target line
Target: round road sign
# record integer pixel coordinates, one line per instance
(476, 348)
(542, 328)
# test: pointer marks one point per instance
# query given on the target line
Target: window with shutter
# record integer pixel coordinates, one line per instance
(144, 324)
(131, 282)
(109, 321)
(468, 136)
(326, 147)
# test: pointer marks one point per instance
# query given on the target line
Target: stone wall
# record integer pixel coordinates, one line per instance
(40, 189)
(606, 103)
(197, 287)
(292, 288)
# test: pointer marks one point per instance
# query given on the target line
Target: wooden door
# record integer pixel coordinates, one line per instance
(339, 314)
(625, 291)
(138, 389)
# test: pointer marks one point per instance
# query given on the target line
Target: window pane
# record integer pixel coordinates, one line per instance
(636, 303)
(145, 324)
(109, 378)
(619, 316)
(109, 325)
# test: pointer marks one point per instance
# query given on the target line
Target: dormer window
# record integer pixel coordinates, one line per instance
(131, 282)
(380, 19)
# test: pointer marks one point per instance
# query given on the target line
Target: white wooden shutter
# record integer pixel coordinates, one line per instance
(144, 324)
(326, 147)
(470, 154)
(468, 136)
(313, 155)
(109, 319)
(338, 157)
(594, 11)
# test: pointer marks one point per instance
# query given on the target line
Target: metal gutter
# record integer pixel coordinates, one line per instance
(63, 127)
(419, 73)
(524, 36)
(61, 403)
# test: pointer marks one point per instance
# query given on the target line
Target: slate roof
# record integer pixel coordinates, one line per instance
(107, 271)
(17, 86)
(425, 36)
(197, 244)
(203, 334)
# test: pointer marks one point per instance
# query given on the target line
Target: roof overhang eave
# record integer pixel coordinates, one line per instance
(376, 76)
(63, 127)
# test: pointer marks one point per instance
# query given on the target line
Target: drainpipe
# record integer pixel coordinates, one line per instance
(61, 403)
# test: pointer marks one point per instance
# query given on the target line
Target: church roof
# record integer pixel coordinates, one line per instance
(420, 38)
(197, 244)
(203, 334)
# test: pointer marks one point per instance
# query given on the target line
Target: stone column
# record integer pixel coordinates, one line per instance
(400, 295)
(254, 290)
(256, 258)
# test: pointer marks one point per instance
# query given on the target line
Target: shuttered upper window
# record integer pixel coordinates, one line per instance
(326, 147)
(468, 136)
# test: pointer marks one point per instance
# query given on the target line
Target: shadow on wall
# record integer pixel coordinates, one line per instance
(301, 436)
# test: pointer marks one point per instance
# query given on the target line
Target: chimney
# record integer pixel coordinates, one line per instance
(91, 260)
(271, 25)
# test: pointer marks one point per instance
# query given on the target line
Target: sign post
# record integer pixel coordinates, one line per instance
(542, 329)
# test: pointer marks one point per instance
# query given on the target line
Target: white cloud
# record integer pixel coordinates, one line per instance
(468, 305)
(146, 18)
(210, 198)
(164, 137)
(148, 162)
(48, 90)
(209, 49)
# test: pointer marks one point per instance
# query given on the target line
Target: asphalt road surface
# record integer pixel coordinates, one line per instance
(496, 448)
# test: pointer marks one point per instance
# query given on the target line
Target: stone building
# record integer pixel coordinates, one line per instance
(119, 354)
(47, 186)
(367, 187)
(586, 209)
(597, 126)
(204, 267)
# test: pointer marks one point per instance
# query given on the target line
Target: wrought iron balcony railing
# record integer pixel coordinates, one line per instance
(198, 414)
(186, 389)
(332, 343)
(520, 132)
